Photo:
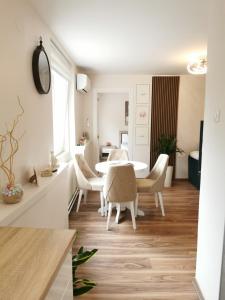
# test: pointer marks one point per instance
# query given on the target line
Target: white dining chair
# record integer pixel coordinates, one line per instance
(118, 154)
(87, 180)
(154, 182)
(120, 187)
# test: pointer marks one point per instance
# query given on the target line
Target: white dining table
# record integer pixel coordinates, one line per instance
(102, 167)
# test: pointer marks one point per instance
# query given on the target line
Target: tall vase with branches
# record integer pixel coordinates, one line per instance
(9, 146)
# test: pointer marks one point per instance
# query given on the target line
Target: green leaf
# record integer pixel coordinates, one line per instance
(83, 257)
(82, 286)
(89, 282)
(81, 282)
(82, 290)
(81, 250)
(167, 145)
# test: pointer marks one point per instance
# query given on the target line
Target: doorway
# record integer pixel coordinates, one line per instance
(112, 121)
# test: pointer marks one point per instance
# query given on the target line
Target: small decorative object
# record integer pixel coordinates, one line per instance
(33, 178)
(12, 194)
(142, 113)
(46, 173)
(84, 138)
(9, 145)
(41, 69)
(81, 286)
(108, 144)
(168, 145)
(53, 162)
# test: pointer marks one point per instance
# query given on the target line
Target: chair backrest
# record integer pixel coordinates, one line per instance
(158, 172)
(120, 184)
(118, 154)
(83, 172)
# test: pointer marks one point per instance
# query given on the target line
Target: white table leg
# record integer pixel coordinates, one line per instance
(140, 212)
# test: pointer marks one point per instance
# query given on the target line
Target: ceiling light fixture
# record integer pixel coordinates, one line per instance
(197, 66)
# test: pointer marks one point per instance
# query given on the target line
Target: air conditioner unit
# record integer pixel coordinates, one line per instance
(83, 83)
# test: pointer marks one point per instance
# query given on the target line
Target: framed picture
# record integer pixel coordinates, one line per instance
(142, 115)
(126, 112)
(143, 93)
(141, 135)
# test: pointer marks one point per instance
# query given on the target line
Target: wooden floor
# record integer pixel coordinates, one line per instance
(157, 262)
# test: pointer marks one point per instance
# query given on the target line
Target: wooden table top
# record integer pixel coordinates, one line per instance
(30, 259)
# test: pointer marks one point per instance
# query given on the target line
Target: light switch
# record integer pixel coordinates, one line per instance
(217, 116)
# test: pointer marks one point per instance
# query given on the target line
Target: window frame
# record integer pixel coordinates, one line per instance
(65, 69)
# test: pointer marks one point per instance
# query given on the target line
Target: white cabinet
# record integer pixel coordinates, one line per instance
(62, 288)
(44, 205)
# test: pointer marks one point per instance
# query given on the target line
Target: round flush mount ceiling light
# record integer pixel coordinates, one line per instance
(197, 66)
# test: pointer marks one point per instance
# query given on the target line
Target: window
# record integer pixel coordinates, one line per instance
(63, 87)
(60, 95)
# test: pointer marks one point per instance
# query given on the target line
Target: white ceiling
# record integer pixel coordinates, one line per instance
(128, 36)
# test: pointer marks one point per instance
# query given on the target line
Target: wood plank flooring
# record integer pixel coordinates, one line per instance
(157, 262)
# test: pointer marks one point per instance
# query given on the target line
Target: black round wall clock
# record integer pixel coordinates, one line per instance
(41, 70)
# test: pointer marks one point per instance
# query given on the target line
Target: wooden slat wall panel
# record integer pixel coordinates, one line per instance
(165, 92)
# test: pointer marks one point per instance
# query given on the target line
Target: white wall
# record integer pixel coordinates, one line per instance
(111, 117)
(190, 113)
(20, 29)
(212, 194)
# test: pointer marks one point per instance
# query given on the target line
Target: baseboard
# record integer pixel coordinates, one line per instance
(198, 290)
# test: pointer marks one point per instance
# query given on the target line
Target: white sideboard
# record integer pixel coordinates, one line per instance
(62, 287)
(43, 206)
(46, 206)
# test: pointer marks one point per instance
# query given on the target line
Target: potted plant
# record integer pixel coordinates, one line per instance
(81, 286)
(168, 145)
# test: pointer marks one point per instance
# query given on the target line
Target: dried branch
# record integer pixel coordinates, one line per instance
(6, 165)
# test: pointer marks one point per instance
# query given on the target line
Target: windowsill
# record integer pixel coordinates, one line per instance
(32, 194)
(63, 157)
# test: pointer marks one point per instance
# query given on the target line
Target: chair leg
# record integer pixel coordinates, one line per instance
(132, 215)
(161, 203)
(156, 200)
(102, 204)
(85, 196)
(118, 207)
(79, 199)
(136, 205)
(105, 207)
(109, 215)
